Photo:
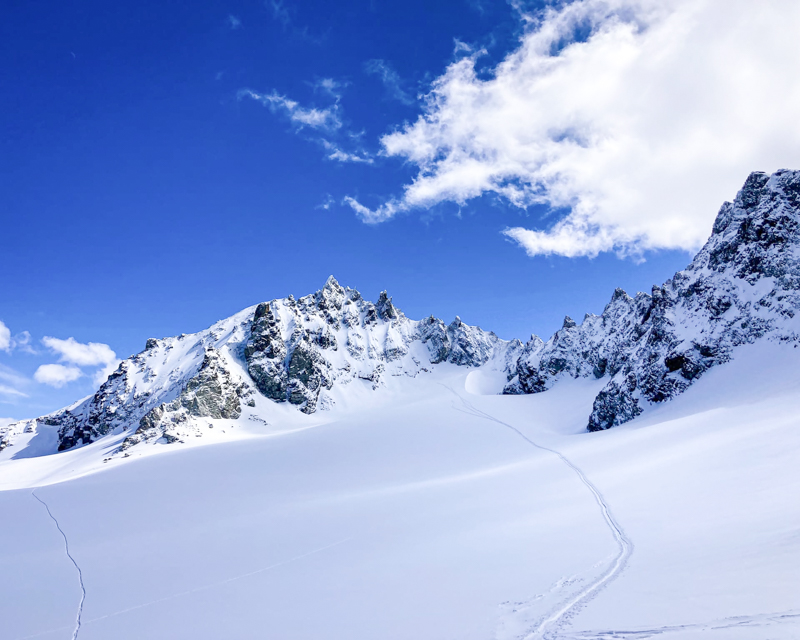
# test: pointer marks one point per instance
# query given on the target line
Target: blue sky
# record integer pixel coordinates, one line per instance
(164, 165)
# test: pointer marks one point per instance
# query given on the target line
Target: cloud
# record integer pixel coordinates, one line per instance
(280, 12)
(327, 203)
(84, 355)
(324, 119)
(390, 78)
(57, 375)
(233, 22)
(331, 87)
(327, 122)
(9, 343)
(76, 354)
(10, 391)
(632, 120)
(5, 337)
(11, 381)
(335, 153)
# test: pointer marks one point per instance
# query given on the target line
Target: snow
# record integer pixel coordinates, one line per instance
(412, 511)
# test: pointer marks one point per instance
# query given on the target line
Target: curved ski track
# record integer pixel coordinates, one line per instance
(548, 626)
(77, 629)
(736, 622)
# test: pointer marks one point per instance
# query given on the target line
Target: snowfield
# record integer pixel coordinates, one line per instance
(426, 509)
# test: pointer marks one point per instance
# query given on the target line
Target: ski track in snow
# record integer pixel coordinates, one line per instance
(220, 583)
(77, 629)
(181, 593)
(548, 626)
(735, 622)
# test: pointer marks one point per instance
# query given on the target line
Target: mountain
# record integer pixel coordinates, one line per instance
(332, 469)
(286, 351)
(742, 286)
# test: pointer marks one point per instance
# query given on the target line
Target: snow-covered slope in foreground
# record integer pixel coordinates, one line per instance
(427, 511)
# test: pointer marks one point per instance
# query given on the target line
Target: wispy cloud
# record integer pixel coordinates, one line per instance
(5, 337)
(330, 87)
(391, 80)
(12, 383)
(327, 203)
(20, 341)
(636, 117)
(336, 153)
(280, 12)
(325, 119)
(325, 122)
(283, 13)
(233, 22)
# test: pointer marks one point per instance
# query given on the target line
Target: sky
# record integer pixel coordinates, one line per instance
(164, 165)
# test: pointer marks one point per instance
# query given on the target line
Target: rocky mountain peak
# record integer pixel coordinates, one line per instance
(742, 286)
(286, 350)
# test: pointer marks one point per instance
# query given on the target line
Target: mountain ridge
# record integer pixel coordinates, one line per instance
(740, 287)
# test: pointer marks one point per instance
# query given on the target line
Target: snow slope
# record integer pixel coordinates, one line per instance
(419, 514)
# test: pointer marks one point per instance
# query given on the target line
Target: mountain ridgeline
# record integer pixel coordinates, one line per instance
(293, 351)
(741, 287)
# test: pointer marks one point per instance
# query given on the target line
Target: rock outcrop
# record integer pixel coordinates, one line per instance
(299, 348)
(211, 393)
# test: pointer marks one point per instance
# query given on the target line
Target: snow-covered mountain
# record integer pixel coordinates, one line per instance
(369, 479)
(284, 350)
(741, 287)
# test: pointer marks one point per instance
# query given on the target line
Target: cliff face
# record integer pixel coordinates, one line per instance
(741, 287)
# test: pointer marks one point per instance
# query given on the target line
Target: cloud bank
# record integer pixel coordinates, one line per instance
(633, 118)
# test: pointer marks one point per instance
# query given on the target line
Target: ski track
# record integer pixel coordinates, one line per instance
(77, 629)
(735, 622)
(548, 626)
(188, 591)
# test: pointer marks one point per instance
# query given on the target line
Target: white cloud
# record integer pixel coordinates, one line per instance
(84, 355)
(10, 391)
(76, 354)
(5, 337)
(11, 382)
(635, 117)
(331, 87)
(233, 22)
(327, 203)
(326, 122)
(325, 119)
(335, 153)
(390, 79)
(9, 343)
(57, 375)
